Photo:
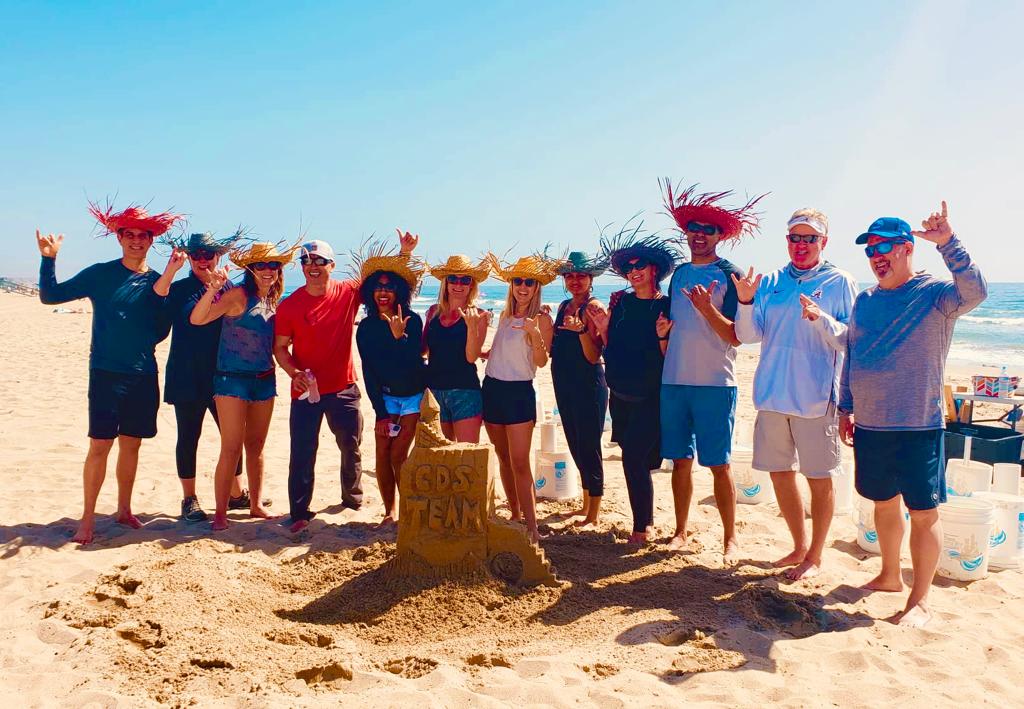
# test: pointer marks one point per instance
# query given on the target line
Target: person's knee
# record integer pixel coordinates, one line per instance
(924, 518)
(682, 466)
(100, 446)
(722, 472)
(128, 443)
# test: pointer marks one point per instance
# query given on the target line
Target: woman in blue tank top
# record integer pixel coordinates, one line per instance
(245, 385)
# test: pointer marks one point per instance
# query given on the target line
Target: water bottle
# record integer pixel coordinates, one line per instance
(312, 393)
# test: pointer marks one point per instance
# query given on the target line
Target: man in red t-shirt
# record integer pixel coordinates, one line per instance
(313, 331)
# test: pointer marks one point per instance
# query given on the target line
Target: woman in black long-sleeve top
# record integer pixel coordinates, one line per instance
(393, 371)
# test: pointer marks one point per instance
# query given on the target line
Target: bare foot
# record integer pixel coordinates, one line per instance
(637, 539)
(588, 522)
(807, 569)
(298, 525)
(220, 523)
(129, 520)
(731, 553)
(678, 541)
(387, 521)
(84, 533)
(792, 558)
(258, 511)
(881, 583)
(914, 617)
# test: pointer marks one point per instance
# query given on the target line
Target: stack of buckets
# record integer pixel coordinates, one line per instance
(554, 472)
(981, 526)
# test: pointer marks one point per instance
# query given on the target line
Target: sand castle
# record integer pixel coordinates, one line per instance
(446, 522)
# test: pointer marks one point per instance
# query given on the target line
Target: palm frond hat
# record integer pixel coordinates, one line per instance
(705, 207)
(206, 241)
(539, 267)
(133, 217)
(632, 242)
(460, 264)
(579, 262)
(375, 256)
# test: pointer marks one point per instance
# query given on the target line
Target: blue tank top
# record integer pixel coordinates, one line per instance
(247, 340)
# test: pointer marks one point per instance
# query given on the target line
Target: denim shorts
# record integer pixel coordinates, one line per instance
(907, 463)
(246, 387)
(403, 405)
(458, 404)
(697, 420)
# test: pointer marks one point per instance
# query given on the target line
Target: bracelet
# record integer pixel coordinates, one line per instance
(663, 339)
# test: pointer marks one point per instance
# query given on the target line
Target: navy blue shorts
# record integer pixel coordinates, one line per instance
(122, 404)
(907, 463)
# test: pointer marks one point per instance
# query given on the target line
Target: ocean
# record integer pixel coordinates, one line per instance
(991, 336)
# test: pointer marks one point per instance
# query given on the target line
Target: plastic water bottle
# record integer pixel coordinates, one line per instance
(313, 392)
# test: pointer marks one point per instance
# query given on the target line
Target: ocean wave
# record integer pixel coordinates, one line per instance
(989, 320)
(988, 356)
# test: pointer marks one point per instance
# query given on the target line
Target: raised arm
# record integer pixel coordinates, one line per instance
(163, 284)
(539, 332)
(968, 288)
(209, 308)
(50, 291)
(476, 331)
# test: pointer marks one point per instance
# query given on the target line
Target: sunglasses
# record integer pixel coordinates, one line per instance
(806, 238)
(528, 282)
(882, 247)
(315, 260)
(389, 287)
(459, 280)
(639, 265)
(265, 266)
(698, 228)
(203, 255)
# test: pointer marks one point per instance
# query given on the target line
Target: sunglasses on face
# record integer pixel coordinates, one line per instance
(315, 260)
(806, 238)
(266, 266)
(460, 280)
(389, 287)
(882, 247)
(698, 228)
(528, 282)
(203, 255)
(639, 265)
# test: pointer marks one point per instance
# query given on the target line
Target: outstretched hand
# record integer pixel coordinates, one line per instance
(811, 310)
(49, 245)
(396, 322)
(530, 326)
(176, 261)
(936, 228)
(746, 287)
(408, 241)
(600, 317)
(662, 326)
(218, 277)
(473, 316)
(701, 297)
(572, 324)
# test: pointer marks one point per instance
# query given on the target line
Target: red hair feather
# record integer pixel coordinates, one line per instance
(692, 206)
(134, 217)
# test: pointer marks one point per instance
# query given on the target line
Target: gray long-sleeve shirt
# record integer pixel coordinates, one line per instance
(897, 344)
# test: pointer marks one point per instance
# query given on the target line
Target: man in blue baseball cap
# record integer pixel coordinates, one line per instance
(891, 393)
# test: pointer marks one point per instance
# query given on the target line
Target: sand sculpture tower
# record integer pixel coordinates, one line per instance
(446, 521)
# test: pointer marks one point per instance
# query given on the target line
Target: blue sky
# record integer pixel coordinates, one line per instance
(498, 124)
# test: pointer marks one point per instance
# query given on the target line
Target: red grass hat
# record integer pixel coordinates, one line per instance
(134, 217)
(691, 206)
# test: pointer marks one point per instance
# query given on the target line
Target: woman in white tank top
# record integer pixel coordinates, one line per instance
(520, 345)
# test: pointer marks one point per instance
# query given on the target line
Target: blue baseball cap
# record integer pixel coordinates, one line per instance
(887, 228)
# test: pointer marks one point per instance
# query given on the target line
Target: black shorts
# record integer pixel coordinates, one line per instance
(122, 404)
(907, 463)
(507, 403)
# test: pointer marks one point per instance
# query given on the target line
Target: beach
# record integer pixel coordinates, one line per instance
(254, 616)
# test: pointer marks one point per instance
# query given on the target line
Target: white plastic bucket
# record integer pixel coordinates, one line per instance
(1006, 542)
(1006, 478)
(842, 484)
(555, 475)
(867, 534)
(752, 486)
(548, 436)
(966, 477)
(966, 527)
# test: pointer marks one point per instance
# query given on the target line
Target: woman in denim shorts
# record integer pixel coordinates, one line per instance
(452, 339)
(389, 340)
(245, 386)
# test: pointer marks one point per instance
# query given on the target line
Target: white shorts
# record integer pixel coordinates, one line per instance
(783, 442)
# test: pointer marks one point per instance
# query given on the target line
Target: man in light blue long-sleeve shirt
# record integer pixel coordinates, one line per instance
(799, 315)
(891, 393)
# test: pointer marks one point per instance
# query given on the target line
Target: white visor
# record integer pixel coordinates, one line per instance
(809, 221)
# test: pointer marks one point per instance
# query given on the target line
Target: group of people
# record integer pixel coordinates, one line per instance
(661, 361)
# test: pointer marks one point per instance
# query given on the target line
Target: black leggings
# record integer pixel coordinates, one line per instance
(190, 415)
(638, 430)
(582, 408)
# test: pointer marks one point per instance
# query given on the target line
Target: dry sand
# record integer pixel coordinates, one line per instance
(253, 617)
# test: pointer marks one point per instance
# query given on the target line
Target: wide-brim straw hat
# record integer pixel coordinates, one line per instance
(579, 262)
(263, 251)
(460, 264)
(539, 268)
(375, 258)
(134, 217)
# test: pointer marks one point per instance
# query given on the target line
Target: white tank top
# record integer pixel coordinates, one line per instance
(511, 357)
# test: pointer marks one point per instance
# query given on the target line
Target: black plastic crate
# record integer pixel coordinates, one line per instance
(990, 444)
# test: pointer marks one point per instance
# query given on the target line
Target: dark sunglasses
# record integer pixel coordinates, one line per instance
(389, 287)
(806, 238)
(528, 282)
(460, 280)
(203, 255)
(882, 247)
(265, 266)
(698, 228)
(315, 260)
(639, 265)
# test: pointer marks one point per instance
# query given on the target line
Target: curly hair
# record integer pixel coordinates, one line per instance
(403, 295)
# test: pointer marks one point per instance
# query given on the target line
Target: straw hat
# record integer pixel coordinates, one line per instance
(579, 262)
(691, 206)
(262, 251)
(134, 217)
(541, 269)
(460, 264)
(375, 258)
(632, 243)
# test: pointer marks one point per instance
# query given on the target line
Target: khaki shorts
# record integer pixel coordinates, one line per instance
(783, 442)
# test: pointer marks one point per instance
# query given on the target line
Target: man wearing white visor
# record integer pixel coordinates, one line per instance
(799, 314)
